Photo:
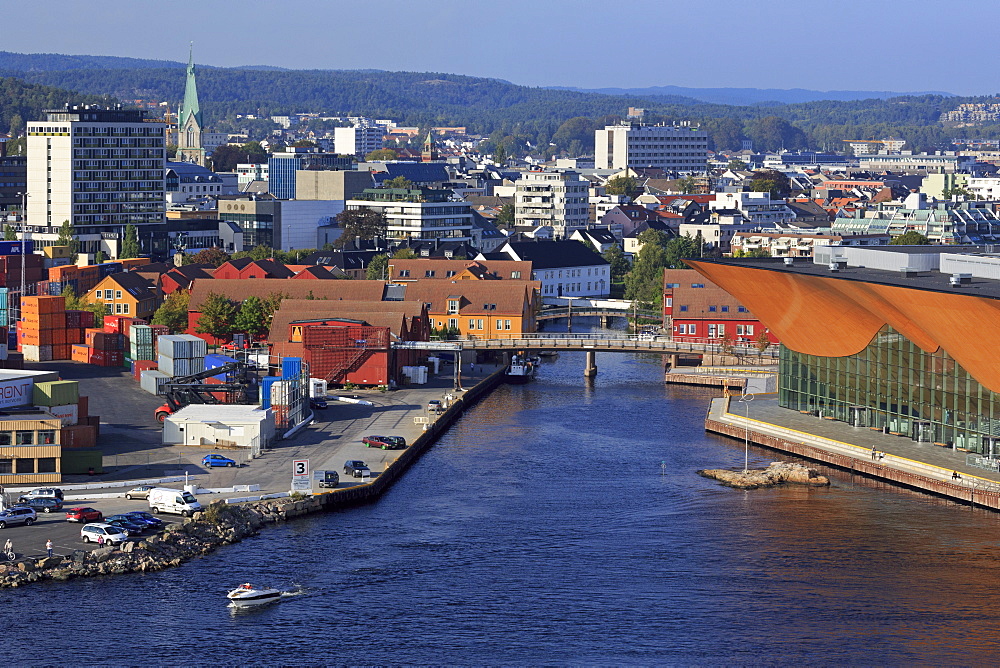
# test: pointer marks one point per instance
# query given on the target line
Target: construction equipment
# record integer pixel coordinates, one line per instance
(184, 390)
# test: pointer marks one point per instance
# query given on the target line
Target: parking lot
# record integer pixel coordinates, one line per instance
(130, 440)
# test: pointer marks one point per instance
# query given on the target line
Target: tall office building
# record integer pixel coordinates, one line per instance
(671, 148)
(282, 168)
(100, 168)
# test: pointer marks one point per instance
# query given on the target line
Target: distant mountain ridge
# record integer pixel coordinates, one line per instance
(750, 96)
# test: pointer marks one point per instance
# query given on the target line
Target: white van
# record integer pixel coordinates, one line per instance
(177, 501)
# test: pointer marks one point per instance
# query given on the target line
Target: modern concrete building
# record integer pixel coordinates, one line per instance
(558, 199)
(359, 140)
(674, 149)
(101, 169)
(282, 224)
(418, 214)
(331, 184)
(283, 168)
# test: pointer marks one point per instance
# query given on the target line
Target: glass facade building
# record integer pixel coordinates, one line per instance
(895, 387)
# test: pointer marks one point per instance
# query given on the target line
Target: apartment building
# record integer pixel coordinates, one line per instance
(674, 149)
(359, 140)
(418, 214)
(101, 169)
(559, 199)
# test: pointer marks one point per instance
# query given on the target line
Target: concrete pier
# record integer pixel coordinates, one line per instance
(590, 367)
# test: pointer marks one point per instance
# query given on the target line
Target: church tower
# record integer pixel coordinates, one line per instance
(429, 152)
(189, 128)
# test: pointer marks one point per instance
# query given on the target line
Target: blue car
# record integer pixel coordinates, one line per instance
(217, 460)
(142, 516)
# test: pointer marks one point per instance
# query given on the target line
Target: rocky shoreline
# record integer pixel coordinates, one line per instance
(219, 524)
(776, 474)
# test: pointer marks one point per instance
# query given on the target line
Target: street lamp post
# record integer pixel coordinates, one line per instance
(745, 400)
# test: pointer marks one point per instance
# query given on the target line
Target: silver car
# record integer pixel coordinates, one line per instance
(17, 515)
(112, 534)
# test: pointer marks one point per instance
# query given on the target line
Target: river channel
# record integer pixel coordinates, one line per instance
(562, 522)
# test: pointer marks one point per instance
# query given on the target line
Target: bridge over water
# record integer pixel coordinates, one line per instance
(593, 343)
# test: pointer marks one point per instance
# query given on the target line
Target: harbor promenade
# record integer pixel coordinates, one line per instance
(923, 466)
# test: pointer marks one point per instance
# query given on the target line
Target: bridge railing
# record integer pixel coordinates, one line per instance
(582, 311)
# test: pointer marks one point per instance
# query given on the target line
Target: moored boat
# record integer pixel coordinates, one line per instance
(520, 370)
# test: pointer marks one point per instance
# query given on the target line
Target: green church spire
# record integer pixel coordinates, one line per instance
(190, 106)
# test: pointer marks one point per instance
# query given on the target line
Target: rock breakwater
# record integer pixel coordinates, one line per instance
(219, 524)
(775, 474)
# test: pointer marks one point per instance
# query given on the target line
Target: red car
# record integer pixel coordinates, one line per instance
(84, 515)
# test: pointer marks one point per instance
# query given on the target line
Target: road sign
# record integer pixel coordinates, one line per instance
(302, 485)
(300, 468)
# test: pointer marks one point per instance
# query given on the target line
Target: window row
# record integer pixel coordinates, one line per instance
(28, 465)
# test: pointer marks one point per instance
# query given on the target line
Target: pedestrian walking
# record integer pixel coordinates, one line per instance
(48, 547)
(874, 453)
(100, 541)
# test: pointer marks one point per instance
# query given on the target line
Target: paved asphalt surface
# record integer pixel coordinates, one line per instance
(130, 440)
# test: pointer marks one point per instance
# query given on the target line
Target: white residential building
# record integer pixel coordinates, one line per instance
(101, 169)
(558, 199)
(420, 214)
(674, 149)
(359, 140)
(756, 208)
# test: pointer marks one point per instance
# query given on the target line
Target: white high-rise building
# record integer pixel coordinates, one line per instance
(101, 169)
(359, 140)
(674, 149)
(559, 199)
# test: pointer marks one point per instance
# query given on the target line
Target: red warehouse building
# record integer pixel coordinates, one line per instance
(697, 310)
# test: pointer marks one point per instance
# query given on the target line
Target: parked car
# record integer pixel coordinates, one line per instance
(435, 406)
(150, 519)
(213, 459)
(140, 492)
(318, 403)
(126, 524)
(112, 534)
(330, 479)
(17, 515)
(42, 491)
(385, 442)
(356, 468)
(45, 504)
(84, 515)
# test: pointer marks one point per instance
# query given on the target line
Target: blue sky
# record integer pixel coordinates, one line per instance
(849, 44)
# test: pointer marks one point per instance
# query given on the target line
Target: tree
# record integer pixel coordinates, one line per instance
(218, 316)
(381, 155)
(737, 165)
(500, 155)
(770, 181)
(686, 185)
(80, 303)
(763, 342)
(753, 252)
(505, 217)
(171, 150)
(619, 263)
(363, 222)
(398, 182)
(621, 185)
(17, 146)
(9, 233)
(226, 157)
(911, 238)
(272, 303)
(130, 246)
(213, 256)
(252, 317)
(67, 237)
(99, 257)
(173, 312)
(16, 125)
(304, 143)
(680, 248)
(405, 254)
(644, 283)
(378, 268)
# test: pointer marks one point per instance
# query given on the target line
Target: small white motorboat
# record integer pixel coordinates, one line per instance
(246, 596)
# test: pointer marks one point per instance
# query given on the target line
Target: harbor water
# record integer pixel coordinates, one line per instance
(561, 522)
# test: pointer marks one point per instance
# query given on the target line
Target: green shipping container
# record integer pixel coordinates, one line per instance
(79, 461)
(56, 393)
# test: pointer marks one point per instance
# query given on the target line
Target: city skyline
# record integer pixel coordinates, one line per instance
(555, 43)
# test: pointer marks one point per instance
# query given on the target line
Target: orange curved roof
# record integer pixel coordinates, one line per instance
(832, 317)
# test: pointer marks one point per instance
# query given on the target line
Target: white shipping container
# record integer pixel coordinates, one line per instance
(37, 353)
(152, 381)
(199, 347)
(69, 414)
(435, 363)
(174, 346)
(174, 367)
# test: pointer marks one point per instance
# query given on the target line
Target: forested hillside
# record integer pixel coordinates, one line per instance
(21, 102)
(521, 118)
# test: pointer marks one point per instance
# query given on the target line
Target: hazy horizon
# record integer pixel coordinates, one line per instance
(578, 44)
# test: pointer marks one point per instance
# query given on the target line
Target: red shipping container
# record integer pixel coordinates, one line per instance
(143, 365)
(74, 336)
(84, 407)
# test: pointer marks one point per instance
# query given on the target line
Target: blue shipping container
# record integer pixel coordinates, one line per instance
(12, 338)
(14, 247)
(215, 361)
(291, 367)
(265, 390)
